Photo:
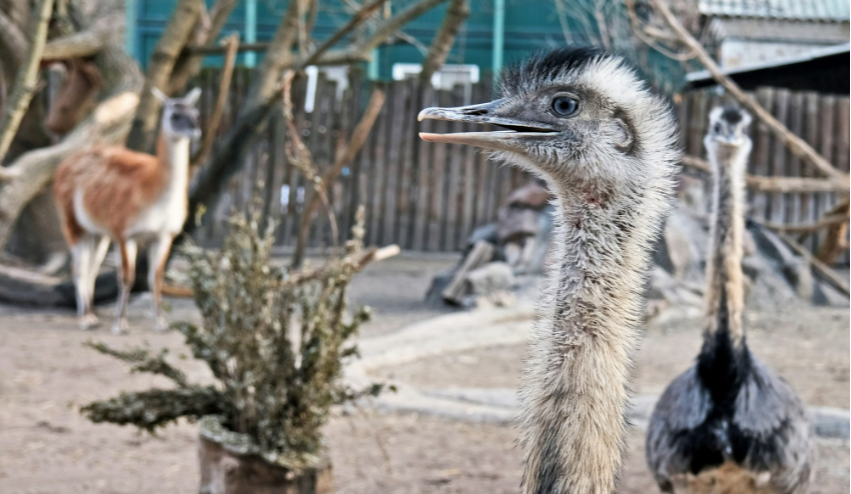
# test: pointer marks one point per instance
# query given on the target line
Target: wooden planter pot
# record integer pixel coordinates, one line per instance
(227, 469)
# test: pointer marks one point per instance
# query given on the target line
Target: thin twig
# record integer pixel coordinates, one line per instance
(363, 14)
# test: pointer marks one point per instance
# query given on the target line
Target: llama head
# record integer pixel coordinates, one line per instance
(180, 117)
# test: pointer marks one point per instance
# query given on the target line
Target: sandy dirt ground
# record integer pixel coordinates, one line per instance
(46, 374)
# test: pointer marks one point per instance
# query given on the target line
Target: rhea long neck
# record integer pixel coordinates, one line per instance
(575, 394)
(724, 294)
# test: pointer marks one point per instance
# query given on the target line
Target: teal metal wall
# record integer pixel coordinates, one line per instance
(529, 25)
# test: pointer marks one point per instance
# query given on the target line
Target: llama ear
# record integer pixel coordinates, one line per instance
(192, 98)
(159, 95)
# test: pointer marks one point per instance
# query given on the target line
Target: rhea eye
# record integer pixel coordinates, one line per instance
(565, 106)
(717, 128)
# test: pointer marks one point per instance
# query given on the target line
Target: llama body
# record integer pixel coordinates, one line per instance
(113, 194)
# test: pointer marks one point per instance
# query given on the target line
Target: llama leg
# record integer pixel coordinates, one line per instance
(126, 277)
(99, 246)
(157, 254)
(82, 254)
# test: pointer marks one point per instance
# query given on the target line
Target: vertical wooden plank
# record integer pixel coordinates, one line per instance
(379, 159)
(397, 117)
(761, 154)
(469, 199)
(455, 175)
(827, 124)
(812, 137)
(340, 123)
(842, 149)
(778, 155)
(696, 123)
(353, 192)
(793, 163)
(683, 114)
(424, 172)
(437, 181)
(405, 173)
(483, 172)
(323, 147)
(493, 188)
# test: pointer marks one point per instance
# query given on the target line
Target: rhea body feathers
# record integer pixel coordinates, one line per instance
(582, 120)
(728, 424)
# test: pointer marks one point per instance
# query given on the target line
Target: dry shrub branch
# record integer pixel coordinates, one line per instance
(275, 340)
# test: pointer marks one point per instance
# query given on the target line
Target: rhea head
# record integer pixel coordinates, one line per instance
(727, 141)
(572, 114)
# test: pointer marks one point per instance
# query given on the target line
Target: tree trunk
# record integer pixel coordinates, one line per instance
(444, 39)
(27, 79)
(226, 472)
(188, 64)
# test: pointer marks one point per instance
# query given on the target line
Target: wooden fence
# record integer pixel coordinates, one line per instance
(430, 197)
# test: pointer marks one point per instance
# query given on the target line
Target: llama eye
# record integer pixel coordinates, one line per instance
(565, 106)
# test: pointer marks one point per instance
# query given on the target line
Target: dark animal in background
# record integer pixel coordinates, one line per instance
(729, 424)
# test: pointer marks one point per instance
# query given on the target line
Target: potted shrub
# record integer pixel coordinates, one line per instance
(276, 342)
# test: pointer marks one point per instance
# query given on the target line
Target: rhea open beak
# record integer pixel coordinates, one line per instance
(486, 113)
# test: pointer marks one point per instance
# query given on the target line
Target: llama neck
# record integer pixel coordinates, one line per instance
(575, 394)
(173, 153)
(724, 291)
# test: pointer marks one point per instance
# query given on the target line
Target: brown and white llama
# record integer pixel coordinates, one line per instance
(112, 193)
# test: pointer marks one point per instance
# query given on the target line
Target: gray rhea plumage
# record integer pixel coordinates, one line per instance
(583, 121)
(729, 423)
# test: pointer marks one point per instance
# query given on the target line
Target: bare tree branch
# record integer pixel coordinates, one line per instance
(795, 144)
(168, 48)
(456, 14)
(265, 87)
(77, 45)
(774, 184)
(386, 29)
(188, 64)
(27, 80)
(356, 20)
(820, 224)
(232, 44)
